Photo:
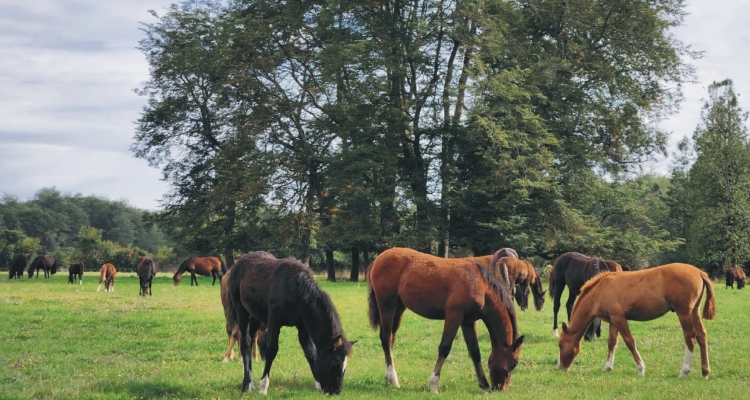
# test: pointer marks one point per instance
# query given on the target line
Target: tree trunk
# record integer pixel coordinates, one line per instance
(330, 266)
(354, 277)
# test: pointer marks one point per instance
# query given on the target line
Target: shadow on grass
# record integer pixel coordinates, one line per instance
(147, 390)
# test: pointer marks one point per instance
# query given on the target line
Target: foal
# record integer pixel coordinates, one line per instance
(644, 295)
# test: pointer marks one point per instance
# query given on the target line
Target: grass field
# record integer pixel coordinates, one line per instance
(67, 341)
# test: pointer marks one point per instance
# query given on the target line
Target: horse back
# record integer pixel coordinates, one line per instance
(207, 265)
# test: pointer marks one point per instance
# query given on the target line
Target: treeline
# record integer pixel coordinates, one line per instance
(80, 228)
(321, 128)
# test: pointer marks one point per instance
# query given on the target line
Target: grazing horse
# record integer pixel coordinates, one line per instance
(233, 330)
(17, 266)
(283, 292)
(735, 275)
(523, 274)
(643, 295)
(205, 266)
(45, 263)
(75, 269)
(107, 275)
(573, 270)
(485, 260)
(146, 271)
(403, 278)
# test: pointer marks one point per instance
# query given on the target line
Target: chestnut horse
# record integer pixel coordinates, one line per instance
(402, 278)
(523, 274)
(45, 263)
(617, 297)
(146, 270)
(283, 292)
(735, 275)
(205, 266)
(233, 330)
(75, 269)
(107, 275)
(17, 266)
(573, 270)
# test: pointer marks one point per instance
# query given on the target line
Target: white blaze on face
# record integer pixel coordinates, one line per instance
(343, 368)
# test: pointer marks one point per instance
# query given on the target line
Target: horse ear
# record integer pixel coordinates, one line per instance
(338, 342)
(543, 293)
(518, 343)
(564, 327)
(352, 342)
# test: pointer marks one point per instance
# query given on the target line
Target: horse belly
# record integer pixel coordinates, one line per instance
(647, 310)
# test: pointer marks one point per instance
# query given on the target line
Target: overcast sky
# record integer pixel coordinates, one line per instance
(68, 69)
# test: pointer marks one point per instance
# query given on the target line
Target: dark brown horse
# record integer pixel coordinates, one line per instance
(205, 266)
(75, 269)
(17, 266)
(403, 278)
(735, 275)
(107, 275)
(573, 270)
(283, 292)
(524, 276)
(146, 270)
(644, 295)
(45, 263)
(233, 330)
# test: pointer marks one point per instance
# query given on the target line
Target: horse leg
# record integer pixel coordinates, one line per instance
(621, 324)
(556, 305)
(450, 328)
(273, 348)
(233, 336)
(388, 309)
(612, 346)
(571, 301)
(702, 336)
(469, 330)
(688, 331)
(244, 323)
(308, 347)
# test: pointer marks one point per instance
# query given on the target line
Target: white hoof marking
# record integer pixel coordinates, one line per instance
(390, 375)
(263, 387)
(434, 379)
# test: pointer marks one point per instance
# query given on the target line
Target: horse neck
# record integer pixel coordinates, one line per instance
(582, 315)
(498, 321)
(320, 323)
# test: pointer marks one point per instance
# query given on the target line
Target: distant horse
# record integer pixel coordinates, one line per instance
(205, 266)
(45, 263)
(283, 292)
(735, 275)
(573, 270)
(146, 270)
(523, 274)
(403, 278)
(233, 330)
(75, 269)
(107, 275)
(17, 266)
(642, 296)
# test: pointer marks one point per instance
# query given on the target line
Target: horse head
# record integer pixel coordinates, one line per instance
(330, 365)
(176, 278)
(569, 346)
(538, 295)
(502, 362)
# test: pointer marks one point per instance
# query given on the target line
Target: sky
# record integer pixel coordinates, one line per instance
(68, 70)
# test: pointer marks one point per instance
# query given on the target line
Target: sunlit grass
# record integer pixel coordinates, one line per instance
(66, 341)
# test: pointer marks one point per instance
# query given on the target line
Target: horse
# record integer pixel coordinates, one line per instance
(735, 275)
(73, 270)
(107, 275)
(233, 330)
(573, 270)
(205, 266)
(283, 292)
(17, 266)
(401, 278)
(45, 263)
(523, 274)
(617, 297)
(146, 271)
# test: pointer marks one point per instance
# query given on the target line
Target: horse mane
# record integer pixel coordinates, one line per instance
(184, 264)
(591, 282)
(503, 293)
(311, 293)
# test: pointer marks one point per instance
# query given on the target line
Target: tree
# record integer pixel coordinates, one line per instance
(719, 181)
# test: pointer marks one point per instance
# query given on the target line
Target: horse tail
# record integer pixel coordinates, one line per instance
(551, 288)
(709, 308)
(372, 305)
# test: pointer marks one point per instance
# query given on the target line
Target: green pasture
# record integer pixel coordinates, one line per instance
(68, 341)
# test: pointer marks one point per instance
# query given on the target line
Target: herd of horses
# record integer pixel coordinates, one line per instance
(261, 294)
